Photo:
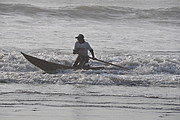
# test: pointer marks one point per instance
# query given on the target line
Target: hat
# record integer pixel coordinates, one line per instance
(80, 36)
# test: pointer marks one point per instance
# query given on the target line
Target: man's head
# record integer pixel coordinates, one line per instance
(80, 38)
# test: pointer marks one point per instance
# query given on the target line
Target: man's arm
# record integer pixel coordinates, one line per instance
(92, 53)
(75, 49)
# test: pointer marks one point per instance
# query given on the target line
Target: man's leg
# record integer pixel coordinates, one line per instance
(78, 59)
(83, 61)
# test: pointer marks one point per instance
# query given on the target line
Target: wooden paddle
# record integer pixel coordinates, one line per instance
(109, 63)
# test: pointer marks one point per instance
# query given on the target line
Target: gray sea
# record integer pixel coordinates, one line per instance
(142, 35)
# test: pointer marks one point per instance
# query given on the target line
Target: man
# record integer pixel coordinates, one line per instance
(81, 48)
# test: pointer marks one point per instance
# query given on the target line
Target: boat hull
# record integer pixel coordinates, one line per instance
(50, 66)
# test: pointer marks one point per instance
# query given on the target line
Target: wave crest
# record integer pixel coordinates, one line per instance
(151, 70)
(93, 12)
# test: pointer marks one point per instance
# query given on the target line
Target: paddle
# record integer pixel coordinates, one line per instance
(108, 63)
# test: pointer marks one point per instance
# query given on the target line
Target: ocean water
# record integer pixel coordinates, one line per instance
(142, 35)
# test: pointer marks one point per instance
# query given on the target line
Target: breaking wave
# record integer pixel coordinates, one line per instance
(91, 12)
(144, 70)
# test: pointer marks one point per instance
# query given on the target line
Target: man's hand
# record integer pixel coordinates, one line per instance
(94, 58)
(74, 51)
